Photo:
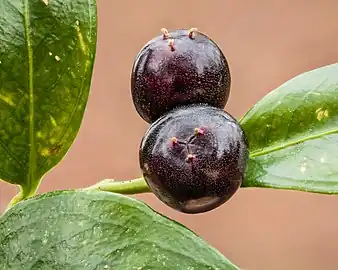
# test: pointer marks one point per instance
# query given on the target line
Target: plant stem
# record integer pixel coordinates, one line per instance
(17, 198)
(134, 186)
(24, 193)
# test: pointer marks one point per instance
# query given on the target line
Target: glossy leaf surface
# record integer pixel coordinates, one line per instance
(47, 51)
(293, 134)
(99, 230)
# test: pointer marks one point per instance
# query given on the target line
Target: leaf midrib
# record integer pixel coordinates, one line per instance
(32, 153)
(268, 150)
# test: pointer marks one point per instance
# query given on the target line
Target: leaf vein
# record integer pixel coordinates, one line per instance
(32, 152)
(292, 143)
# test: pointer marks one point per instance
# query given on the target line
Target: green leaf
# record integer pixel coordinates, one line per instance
(293, 135)
(98, 230)
(47, 53)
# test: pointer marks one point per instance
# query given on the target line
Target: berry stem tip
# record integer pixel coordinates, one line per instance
(165, 33)
(199, 131)
(190, 157)
(174, 140)
(171, 44)
(192, 33)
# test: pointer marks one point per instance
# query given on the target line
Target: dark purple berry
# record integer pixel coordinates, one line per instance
(194, 157)
(179, 68)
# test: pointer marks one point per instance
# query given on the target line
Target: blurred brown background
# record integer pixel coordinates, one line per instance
(266, 42)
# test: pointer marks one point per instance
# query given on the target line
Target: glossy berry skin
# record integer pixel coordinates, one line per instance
(194, 158)
(179, 68)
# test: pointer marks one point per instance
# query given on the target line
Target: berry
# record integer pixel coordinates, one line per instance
(194, 157)
(179, 68)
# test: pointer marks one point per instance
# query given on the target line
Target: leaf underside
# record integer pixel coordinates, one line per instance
(98, 230)
(47, 53)
(293, 135)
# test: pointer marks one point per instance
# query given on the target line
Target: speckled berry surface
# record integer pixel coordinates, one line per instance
(178, 68)
(194, 157)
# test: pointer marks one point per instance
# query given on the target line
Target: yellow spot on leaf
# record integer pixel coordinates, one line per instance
(7, 100)
(39, 134)
(45, 152)
(51, 150)
(321, 114)
(53, 121)
(83, 45)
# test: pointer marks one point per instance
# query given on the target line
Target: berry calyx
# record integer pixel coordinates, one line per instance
(177, 68)
(174, 140)
(171, 44)
(205, 164)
